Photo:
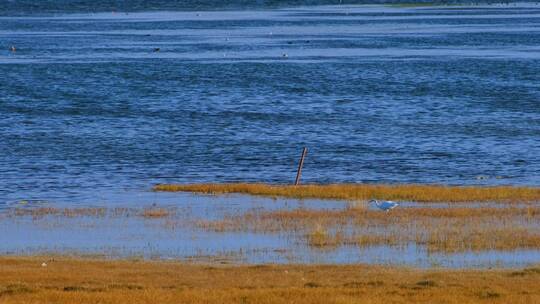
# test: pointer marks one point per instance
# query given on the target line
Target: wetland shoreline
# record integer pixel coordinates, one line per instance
(400, 192)
(246, 229)
(283, 246)
(45, 279)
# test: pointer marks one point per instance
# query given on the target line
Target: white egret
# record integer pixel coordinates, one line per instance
(384, 205)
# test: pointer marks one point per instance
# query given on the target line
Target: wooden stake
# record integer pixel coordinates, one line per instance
(300, 165)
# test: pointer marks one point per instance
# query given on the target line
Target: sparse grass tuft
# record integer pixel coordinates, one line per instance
(43, 212)
(426, 283)
(488, 294)
(321, 238)
(155, 213)
(312, 285)
(12, 289)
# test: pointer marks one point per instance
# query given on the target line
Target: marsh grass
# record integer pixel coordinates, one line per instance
(351, 192)
(63, 212)
(14, 289)
(97, 212)
(155, 212)
(448, 230)
(322, 238)
(80, 281)
(437, 229)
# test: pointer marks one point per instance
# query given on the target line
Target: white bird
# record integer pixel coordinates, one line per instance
(384, 205)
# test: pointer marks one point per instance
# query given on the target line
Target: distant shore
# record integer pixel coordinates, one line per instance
(78, 280)
(413, 192)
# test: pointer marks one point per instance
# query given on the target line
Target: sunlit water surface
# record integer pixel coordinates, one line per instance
(89, 108)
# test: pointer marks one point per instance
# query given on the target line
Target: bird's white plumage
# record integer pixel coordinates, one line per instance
(385, 205)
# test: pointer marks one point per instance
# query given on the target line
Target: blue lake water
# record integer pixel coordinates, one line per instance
(89, 109)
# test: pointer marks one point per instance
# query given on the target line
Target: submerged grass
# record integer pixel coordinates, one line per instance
(437, 229)
(417, 193)
(63, 212)
(98, 212)
(452, 229)
(322, 238)
(155, 212)
(78, 281)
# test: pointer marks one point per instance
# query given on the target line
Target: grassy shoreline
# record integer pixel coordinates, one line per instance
(78, 280)
(417, 193)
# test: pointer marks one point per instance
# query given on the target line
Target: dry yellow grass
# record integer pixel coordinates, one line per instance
(320, 237)
(418, 193)
(155, 212)
(79, 281)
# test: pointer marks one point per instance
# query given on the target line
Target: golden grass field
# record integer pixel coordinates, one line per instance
(80, 280)
(417, 193)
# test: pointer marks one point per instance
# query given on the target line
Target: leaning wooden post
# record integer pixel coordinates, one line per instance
(300, 165)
